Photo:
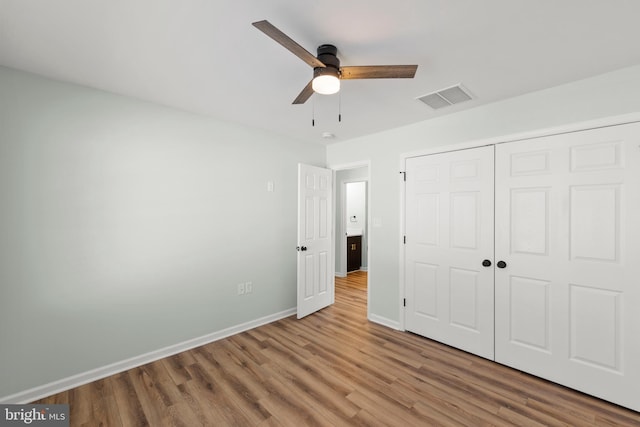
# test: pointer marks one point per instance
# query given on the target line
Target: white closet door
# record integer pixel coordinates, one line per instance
(568, 228)
(449, 232)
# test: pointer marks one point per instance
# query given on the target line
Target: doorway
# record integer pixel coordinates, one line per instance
(355, 225)
(352, 189)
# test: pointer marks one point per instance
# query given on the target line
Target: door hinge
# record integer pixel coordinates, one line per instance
(404, 302)
(404, 239)
(404, 176)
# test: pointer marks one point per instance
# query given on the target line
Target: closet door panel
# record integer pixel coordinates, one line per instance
(449, 232)
(567, 302)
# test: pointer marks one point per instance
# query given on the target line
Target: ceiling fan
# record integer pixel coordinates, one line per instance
(327, 71)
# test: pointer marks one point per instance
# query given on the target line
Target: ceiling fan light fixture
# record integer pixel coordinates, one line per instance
(326, 81)
(327, 72)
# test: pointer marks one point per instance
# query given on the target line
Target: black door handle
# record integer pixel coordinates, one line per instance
(501, 264)
(486, 263)
(301, 248)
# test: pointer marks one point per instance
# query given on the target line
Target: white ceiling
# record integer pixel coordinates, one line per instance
(205, 56)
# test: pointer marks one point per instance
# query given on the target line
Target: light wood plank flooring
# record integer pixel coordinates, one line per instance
(333, 368)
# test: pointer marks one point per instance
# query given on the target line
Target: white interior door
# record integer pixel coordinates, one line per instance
(315, 231)
(568, 229)
(449, 233)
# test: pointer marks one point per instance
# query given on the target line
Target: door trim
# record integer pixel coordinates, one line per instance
(530, 134)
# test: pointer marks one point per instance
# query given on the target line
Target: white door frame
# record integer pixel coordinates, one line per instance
(346, 166)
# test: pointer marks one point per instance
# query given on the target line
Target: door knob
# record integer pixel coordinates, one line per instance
(303, 248)
(501, 264)
(486, 263)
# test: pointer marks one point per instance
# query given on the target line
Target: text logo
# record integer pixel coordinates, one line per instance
(34, 415)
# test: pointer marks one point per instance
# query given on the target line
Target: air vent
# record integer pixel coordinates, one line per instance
(445, 97)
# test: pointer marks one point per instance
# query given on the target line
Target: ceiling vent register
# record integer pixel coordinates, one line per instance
(446, 97)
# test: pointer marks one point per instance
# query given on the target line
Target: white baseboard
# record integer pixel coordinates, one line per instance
(124, 365)
(385, 322)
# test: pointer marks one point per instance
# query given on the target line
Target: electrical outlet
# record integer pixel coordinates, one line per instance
(248, 287)
(241, 289)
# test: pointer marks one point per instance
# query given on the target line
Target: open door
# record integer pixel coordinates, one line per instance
(315, 249)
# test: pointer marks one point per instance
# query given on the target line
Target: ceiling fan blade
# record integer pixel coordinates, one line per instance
(378, 72)
(305, 94)
(286, 41)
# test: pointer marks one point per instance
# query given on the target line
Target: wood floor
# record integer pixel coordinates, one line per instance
(332, 368)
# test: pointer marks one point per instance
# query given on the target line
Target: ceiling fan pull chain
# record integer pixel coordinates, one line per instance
(339, 106)
(313, 112)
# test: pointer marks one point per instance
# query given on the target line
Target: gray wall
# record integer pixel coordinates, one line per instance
(610, 94)
(126, 226)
